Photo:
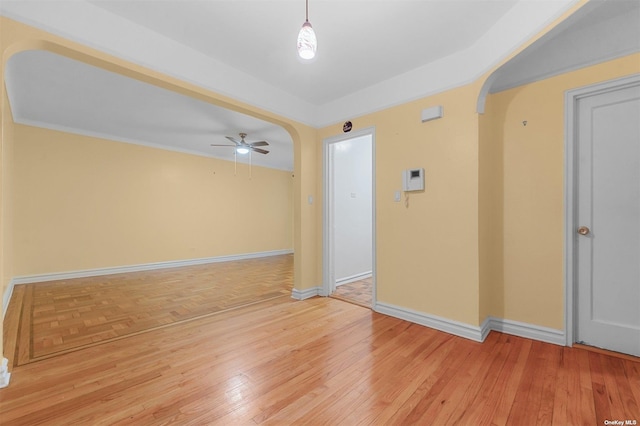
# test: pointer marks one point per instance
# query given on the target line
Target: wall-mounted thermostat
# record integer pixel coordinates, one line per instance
(413, 180)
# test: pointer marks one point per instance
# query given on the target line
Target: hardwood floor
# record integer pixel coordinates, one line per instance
(318, 361)
(358, 292)
(61, 316)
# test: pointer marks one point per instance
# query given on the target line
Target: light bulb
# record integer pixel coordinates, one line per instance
(307, 42)
(242, 150)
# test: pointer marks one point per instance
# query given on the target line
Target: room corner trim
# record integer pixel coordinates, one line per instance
(443, 324)
(4, 373)
(28, 279)
(476, 333)
(6, 297)
(529, 331)
(306, 293)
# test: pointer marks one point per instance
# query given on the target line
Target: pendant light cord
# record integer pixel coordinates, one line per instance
(307, 11)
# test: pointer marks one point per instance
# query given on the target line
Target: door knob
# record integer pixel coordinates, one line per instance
(583, 230)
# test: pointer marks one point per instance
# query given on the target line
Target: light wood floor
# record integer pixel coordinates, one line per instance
(358, 292)
(61, 316)
(318, 361)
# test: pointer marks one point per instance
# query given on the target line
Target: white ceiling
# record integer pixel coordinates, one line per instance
(371, 55)
(52, 91)
(360, 43)
(597, 32)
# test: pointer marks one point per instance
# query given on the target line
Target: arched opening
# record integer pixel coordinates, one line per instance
(204, 102)
(54, 92)
(523, 171)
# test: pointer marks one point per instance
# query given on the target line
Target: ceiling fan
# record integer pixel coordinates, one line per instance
(242, 147)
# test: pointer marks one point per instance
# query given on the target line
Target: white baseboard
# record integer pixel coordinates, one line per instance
(352, 278)
(306, 293)
(143, 267)
(6, 297)
(478, 334)
(529, 331)
(28, 279)
(4, 373)
(432, 321)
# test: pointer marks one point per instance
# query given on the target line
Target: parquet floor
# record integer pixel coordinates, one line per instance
(60, 316)
(318, 361)
(358, 292)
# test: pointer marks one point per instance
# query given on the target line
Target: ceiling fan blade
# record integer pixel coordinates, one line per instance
(233, 140)
(216, 144)
(261, 151)
(260, 143)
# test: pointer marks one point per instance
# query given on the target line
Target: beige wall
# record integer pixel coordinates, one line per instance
(528, 284)
(16, 37)
(484, 238)
(6, 207)
(490, 211)
(427, 252)
(84, 203)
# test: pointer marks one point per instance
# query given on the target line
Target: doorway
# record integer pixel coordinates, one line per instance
(349, 219)
(603, 216)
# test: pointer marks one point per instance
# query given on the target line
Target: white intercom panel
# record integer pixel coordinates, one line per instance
(413, 180)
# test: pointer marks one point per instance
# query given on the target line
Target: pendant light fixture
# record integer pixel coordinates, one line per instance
(307, 42)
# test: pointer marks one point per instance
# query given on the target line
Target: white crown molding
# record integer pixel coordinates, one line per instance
(544, 76)
(99, 135)
(516, 27)
(92, 26)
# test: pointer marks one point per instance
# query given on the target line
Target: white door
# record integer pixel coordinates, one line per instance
(608, 220)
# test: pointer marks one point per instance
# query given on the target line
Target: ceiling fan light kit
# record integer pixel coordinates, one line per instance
(307, 41)
(242, 147)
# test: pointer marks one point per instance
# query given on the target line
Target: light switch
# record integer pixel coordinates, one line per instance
(310, 199)
(396, 196)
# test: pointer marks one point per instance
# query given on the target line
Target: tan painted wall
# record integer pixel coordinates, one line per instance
(427, 252)
(532, 290)
(6, 208)
(16, 37)
(486, 236)
(490, 211)
(83, 203)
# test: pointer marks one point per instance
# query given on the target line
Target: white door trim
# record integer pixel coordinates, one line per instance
(327, 209)
(570, 144)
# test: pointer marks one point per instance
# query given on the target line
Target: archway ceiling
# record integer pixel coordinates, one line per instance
(51, 91)
(371, 55)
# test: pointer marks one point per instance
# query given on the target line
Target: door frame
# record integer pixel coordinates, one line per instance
(328, 267)
(570, 194)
